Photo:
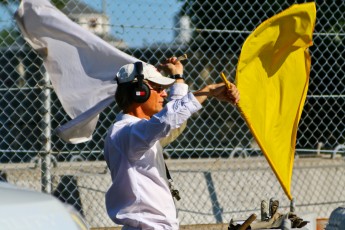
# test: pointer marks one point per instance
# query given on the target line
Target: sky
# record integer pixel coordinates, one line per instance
(137, 22)
(140, 22)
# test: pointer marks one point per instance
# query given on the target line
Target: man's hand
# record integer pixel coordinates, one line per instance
(222, 93)
(171, 66)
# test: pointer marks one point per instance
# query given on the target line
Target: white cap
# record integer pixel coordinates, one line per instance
(127, 73)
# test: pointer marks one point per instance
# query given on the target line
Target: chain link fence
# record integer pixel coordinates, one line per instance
(216, 163)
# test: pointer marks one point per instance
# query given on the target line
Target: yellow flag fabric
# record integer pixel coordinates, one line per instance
(272, 77)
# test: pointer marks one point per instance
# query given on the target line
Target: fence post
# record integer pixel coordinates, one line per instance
(46, 156)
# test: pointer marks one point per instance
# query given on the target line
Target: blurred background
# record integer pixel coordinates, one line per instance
(216, 162)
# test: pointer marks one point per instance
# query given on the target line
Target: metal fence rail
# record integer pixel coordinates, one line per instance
(211, 33)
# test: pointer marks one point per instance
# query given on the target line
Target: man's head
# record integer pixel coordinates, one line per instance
(141, 84)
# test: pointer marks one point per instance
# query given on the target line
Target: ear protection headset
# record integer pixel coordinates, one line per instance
(141, 92)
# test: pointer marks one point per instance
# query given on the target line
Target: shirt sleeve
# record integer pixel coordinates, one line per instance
(177, 91)
(173, 134)
(178, 111)
(137, 137)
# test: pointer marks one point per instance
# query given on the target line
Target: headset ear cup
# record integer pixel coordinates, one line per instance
(141, 94)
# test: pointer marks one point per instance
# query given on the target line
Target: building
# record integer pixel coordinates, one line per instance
(92, 20)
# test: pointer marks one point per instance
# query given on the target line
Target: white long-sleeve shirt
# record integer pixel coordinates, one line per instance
(139, 197)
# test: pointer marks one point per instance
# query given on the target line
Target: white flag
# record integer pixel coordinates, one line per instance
(81, 66)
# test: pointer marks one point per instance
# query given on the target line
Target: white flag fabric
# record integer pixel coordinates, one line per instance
(81, 66)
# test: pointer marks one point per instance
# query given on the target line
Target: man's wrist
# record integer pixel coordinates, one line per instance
(177, 76)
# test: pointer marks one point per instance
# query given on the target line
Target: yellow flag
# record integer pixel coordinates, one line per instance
(272, 77)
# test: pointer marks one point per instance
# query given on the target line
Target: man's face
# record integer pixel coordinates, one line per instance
(155, 102)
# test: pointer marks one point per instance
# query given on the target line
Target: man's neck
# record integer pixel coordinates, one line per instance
(137, 111)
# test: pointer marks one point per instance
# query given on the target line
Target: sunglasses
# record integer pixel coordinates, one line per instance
(158, 88)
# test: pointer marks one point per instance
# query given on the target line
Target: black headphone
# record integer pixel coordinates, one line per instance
(141, 92)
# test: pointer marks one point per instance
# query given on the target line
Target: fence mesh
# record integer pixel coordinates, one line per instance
(216, 163)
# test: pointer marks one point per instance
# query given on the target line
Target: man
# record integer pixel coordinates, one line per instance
(139, 197)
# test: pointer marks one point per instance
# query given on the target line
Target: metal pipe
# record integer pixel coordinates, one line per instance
(337, 150)
(46, 165)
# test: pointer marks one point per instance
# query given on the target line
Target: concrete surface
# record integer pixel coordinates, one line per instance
(212, 190)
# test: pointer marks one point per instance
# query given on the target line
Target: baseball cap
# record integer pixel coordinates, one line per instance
(127, 73)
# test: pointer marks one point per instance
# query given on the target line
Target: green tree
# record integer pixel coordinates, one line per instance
(223, 24)
(9, 36)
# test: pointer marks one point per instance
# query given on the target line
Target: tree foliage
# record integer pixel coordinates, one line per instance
(220, 23)
(9, 36)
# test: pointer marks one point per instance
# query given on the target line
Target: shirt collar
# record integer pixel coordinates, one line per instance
(125, 116)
